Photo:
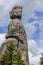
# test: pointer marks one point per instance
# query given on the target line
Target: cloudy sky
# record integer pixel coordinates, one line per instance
(32, 19)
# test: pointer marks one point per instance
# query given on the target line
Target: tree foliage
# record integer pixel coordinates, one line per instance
(18, 59)
(9, 58)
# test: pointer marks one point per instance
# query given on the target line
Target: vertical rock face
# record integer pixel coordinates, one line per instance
(17, 33)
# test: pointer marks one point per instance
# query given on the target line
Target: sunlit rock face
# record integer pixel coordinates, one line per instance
(17, 33)
(16, 12)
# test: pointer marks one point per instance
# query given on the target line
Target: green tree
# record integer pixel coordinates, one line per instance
(18, 59)
(6, 58)
(9, 58)
(41, 60)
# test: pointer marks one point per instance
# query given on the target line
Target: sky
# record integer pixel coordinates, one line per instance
(32, 19)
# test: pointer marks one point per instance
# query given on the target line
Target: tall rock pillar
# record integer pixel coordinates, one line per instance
(17, 33)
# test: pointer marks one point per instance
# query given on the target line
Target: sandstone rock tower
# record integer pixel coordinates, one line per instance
(17, 33)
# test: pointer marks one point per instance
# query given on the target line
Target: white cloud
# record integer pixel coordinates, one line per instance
(2, 38)
(32, 46)
(30, 29)
(31, 43)
(34, 59)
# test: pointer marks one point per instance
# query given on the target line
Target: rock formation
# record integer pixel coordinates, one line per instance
(17, 33)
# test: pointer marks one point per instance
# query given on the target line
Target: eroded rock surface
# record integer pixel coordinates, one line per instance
(17, 33)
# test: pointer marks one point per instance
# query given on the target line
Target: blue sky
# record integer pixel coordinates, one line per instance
(32, 19)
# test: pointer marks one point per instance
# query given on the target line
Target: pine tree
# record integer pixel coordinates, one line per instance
(41, 60)
(18, 59)
(8, 58)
